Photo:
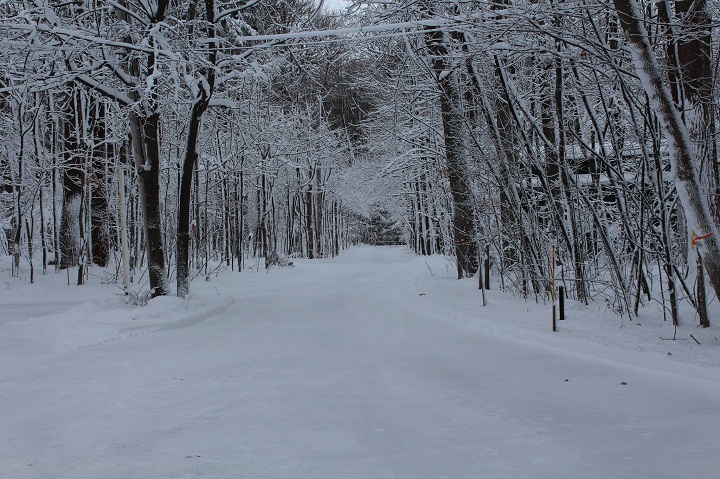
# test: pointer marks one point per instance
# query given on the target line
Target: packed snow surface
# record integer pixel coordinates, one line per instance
(375, 364)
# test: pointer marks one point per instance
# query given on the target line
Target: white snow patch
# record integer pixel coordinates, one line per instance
(374, 364)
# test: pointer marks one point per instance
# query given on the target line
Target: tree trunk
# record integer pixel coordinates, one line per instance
(690, 74)
(205, 90)
(183, 226)
(146, 147)
(680, 148)
(463, 219)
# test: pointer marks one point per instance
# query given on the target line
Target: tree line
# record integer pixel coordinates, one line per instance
(190, 134)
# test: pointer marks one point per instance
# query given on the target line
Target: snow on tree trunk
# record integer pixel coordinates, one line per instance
(679, 146)
(70, 231)
(73, 181)
(690, 56)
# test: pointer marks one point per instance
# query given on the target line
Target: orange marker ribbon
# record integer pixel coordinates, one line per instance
(694, 240)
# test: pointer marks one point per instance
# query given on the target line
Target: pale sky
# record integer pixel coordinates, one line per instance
(335, 4)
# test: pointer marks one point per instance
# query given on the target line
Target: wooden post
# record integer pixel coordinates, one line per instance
(701, 296)
(552, 290)
(561, 293)
(481, 286)
(487, 266)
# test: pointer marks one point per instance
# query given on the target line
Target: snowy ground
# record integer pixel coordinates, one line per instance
(376, 364)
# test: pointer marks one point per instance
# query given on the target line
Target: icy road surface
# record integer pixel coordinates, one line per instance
(373, 365)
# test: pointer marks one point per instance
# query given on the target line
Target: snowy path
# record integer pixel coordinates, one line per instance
(23, 311)
(342, 369)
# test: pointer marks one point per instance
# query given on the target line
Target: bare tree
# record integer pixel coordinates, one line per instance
(448, 72)
(679, 144)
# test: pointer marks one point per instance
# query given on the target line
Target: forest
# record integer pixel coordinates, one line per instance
(159, 140)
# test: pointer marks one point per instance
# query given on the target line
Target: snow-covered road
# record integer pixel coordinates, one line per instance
(366, 366)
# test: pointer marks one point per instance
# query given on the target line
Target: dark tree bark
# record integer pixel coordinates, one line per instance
(202, 101)
(446, 75)
(146, 148)
(144, 131)
(99, 213)
(183, 232)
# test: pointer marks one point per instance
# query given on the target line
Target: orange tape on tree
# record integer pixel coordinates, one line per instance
(695, 239)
